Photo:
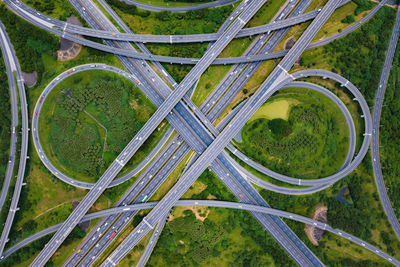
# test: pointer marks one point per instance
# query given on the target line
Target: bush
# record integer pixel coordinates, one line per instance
(280, 127)
(348, 19)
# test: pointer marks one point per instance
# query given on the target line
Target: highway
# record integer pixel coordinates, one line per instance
(10, 68)
(143, 134)
(42, 20)
(191, 7)
(125, 219)
(223, 139)
(176, 60)
(92, 257)
(220, 204)
(11, 57)
(144, 257)
(376, 163)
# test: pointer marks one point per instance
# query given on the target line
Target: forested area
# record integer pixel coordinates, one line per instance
(60, 9)
(5, 120)
(77, 136)
(389, 134)
(29, 42)
(360, 56)
(359, 218)
(303, 146)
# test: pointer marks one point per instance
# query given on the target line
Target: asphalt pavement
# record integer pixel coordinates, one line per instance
(221, 204)
(11, 57)
(376, 163)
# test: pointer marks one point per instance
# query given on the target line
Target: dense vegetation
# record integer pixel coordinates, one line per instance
(360, 55)
(304, 145)
(77, 134)
(188, 1)
(389, 134)
(176, 22)
(5, 120)
(60, 9)
(29, 42)
(354, 218)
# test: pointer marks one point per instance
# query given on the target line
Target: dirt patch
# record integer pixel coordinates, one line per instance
(211, 197)
(134, 105)
(289, 43)
(201, 213)
(30, 78)
(68, 49)
(313, 233)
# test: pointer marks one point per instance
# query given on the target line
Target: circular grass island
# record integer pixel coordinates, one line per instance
(299, 133)
(87, 120)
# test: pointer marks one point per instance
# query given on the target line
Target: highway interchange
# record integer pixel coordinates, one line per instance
(196, 129)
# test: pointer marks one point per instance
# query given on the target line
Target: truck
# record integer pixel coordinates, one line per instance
(112, 235)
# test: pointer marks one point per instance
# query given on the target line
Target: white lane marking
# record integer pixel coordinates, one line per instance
(120, 162)
(149, 225)
(241, 21)
(287, 73)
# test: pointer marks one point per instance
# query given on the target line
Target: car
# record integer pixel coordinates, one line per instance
(240, 195)
(35, 114)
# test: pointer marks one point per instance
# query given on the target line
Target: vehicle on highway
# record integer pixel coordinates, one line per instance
(112, 235)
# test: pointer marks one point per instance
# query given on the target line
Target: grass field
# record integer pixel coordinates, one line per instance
(275, 110)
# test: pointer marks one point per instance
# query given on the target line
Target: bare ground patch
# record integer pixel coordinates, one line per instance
(313, 233)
